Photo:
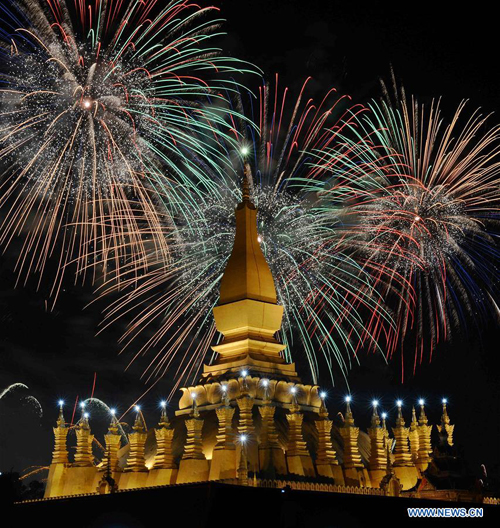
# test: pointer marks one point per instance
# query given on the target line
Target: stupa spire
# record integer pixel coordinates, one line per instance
(137, 440)
(247, 274)
(326, 461)
(60, 453)
(349, 418)
(414, 436)
(422, 419)
(113, 443)
(384, 423)
(402, 456)
(350, 433)
(248, 314)
(375, 421)
(163, 417)
(378, 452)
(60, 419)
(243, 465)
(84, 439)
(297, 456)
(446, 428)
(138, 423)
(245, 190)
(424, 439)
(164, 436)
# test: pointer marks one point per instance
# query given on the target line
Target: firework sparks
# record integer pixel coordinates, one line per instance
(32, 471)
(99, 104)
(323, 291)
(30, 400)
(100, 409)
(423, 206)
(11, 388)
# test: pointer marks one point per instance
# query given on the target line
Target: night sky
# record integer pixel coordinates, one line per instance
(350, 45)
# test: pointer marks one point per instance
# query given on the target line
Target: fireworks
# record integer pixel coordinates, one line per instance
(423, 207)
(120, 147)
(101, 103)
(11, 388)
(330, 306)
(96, 407)
(30, 400)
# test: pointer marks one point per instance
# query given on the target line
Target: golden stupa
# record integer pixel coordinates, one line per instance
(250, 421)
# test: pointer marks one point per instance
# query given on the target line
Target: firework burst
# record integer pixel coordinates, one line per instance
(30, 400)
(326, 295)
(101, 103)
(423, 208)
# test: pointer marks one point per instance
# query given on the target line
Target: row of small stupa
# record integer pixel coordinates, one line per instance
(251, 389)
(405, 456)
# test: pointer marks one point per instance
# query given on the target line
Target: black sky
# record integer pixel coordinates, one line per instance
(436, 51)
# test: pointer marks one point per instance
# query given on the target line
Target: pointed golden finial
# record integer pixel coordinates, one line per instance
(113, 424)
(414, 436)
(424, 439)
(350, 434)
(446, 428)
(244, 384)
(400, 421)
(414, 421)
(83, 455)
(242, 472)
(60, 419)
(375, 422)
(294, 408)
(445, 419)
(384, 424)
(164, 418)
(195, 412)
(60, 453)
(422, 419)
(139, 424)
(402, 455)
(83, 422)
(225, 394)
(245, 191)
(323, 411)
(387, 441)
(348, 419)
(265, 384)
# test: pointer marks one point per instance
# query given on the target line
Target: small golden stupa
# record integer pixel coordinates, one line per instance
(250, 420)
